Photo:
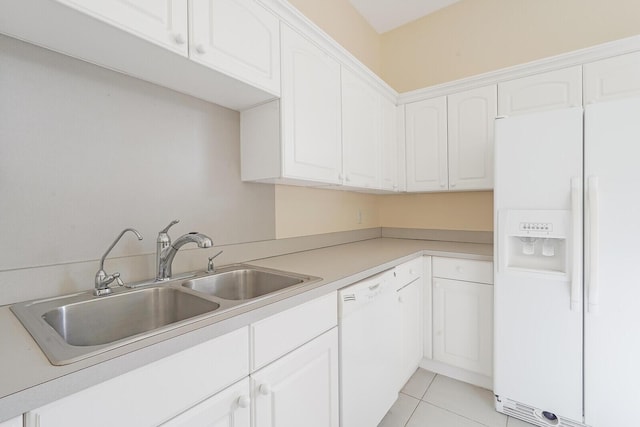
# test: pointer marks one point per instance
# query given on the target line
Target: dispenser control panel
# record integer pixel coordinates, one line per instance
(536, 226)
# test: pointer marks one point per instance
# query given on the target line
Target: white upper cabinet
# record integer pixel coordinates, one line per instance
(540, 92)
(163, 22)
(449, 141)
(389, 174)
(311, 111)
(237, 37)
(361, 132)
(613, 78)
(470, 132)
(426, 145)
(222, 51)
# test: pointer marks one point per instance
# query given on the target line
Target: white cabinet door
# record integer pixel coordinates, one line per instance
(163, 22)
(389, 170)
(311, 111)
(229, 408)
(361, 132)
(470, 133)
(410, 305)
(613, 78)
(462, 324)
(301, 388)
(426, 140)
(540, 92)
(237, 37)
(14, 422)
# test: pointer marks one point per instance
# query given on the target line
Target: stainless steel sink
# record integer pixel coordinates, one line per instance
(105, 320)
(77, 326)
(245, 283)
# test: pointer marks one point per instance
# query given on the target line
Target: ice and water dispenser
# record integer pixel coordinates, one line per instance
(535, 240)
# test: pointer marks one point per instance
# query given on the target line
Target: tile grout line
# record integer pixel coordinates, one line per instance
(450, 411)
(412, 412)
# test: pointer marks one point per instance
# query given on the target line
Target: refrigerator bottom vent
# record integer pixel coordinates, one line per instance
(531, 415)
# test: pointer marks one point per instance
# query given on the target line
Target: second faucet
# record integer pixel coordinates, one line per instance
(166, 251)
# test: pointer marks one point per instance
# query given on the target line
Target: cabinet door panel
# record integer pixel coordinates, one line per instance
(300, 389)
(311, 111)
(426, 139)
(163, 22)
(470, 120)
(613, 78)
(462, 324)
(540, 92)
(361, 132)
(238, 37)
(229, 408)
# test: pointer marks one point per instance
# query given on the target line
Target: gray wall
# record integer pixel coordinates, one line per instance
(86, 152)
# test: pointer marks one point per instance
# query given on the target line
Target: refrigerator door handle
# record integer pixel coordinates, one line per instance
(594, 284)
(576, 205)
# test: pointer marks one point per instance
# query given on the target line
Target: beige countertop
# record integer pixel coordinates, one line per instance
(28, 380)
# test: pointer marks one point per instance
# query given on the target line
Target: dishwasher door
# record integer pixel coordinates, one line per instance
(369, 350)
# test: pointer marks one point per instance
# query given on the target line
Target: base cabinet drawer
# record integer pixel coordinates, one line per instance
(279, 334)
(463, 269)
(463, 325)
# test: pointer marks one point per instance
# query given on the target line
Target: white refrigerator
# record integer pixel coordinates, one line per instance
(567, 257)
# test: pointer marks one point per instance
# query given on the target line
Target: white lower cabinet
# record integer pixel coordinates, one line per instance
(229, 408)
(13, 422)
(301, 388)
(463, 324)
(156, 392)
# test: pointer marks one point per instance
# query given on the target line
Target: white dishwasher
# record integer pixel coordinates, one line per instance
(368, 350)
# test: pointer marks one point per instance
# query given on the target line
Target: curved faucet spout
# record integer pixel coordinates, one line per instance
(166, 256)
(200, 239)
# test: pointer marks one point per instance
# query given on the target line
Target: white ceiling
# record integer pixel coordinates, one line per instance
(385, 15)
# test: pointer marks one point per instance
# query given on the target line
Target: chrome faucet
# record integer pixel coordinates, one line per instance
(166, 252)
(103, 280)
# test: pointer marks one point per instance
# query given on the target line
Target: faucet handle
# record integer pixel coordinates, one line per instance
(171, 224)
(210, 266)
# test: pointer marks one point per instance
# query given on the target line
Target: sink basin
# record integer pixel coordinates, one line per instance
(244, 283)
(105, 320)
(74, 327)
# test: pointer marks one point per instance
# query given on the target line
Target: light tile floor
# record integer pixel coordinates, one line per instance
(430, 400)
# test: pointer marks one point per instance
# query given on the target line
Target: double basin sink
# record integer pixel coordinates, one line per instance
(71, 328)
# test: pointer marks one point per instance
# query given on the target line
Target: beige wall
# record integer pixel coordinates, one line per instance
(472, 36)
(439, 211)
(304, 211)
(341, 20)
